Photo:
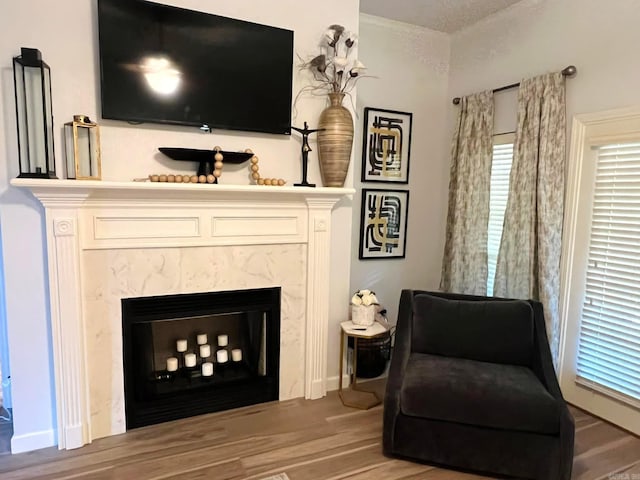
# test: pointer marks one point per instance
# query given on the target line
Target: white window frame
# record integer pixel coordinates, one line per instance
(588, 130)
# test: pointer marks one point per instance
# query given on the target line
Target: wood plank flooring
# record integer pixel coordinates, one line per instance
(308, 440)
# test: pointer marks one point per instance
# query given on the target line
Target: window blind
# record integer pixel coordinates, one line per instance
(609, 344)
(499, 193)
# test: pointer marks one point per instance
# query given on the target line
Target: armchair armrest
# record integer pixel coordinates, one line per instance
(399, 358)
(542, 362)
(542, 366)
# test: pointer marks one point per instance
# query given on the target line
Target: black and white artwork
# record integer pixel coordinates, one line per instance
(386, 146)
(383, 223)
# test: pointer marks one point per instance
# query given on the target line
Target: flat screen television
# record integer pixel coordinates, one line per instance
(163, 64)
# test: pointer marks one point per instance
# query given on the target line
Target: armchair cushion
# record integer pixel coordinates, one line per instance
(508, 397)
(486, 331)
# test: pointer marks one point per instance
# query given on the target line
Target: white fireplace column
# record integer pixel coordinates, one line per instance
(67, 322)
(94, 215)
(318, 281)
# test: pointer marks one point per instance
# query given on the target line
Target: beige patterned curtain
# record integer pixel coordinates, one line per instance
(529, 258)
(464, 266)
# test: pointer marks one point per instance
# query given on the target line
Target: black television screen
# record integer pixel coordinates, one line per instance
(164, 64)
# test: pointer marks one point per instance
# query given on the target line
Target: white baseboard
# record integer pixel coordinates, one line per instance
(32, 441)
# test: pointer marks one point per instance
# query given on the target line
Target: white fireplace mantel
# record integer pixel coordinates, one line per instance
(83, 216)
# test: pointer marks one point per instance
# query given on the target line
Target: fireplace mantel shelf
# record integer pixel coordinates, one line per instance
(103, 190)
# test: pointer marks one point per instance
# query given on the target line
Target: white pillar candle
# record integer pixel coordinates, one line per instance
(190, 360)
(205, 351)
(207, 369)
(202, 338)
(222, 356)
(236, 354)
(172, 364)
(181, 345)
(223, 340)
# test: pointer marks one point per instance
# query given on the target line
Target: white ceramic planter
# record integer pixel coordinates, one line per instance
(364, 315)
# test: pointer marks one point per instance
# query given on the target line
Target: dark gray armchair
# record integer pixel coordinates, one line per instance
(472, 386)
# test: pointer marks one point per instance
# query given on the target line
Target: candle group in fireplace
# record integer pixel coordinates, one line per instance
(189, 356)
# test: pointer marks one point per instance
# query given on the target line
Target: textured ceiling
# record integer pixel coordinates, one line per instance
(442, 15)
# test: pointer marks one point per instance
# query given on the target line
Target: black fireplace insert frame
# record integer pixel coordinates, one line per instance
(215, 396)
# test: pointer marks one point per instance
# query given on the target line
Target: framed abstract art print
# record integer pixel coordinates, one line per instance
(383, 224)
(386, 146)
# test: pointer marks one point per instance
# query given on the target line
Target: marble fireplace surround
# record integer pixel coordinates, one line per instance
(111, 240)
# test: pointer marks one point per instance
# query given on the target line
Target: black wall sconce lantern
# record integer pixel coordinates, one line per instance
(34, 114)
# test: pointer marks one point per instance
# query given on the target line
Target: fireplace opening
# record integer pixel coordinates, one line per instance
(191, 354)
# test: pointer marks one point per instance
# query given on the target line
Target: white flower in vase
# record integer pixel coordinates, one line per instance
(363, 308)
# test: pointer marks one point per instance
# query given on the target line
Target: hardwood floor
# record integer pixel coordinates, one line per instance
(318, 439)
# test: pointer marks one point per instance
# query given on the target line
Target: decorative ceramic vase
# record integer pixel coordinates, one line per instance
(364, 315)
(335, 139)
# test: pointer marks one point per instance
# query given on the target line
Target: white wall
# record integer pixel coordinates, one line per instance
(412, 65)
(5, 366)
(66, 33)
(538, 36)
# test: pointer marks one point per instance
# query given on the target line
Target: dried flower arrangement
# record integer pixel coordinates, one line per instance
(334, 69)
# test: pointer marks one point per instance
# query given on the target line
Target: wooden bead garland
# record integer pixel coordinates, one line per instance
(218, 157)
(255, 173)
(177, 178)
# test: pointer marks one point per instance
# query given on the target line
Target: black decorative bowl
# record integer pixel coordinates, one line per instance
(203, 157)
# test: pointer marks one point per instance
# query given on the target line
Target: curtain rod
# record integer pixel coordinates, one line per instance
(570, 71)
